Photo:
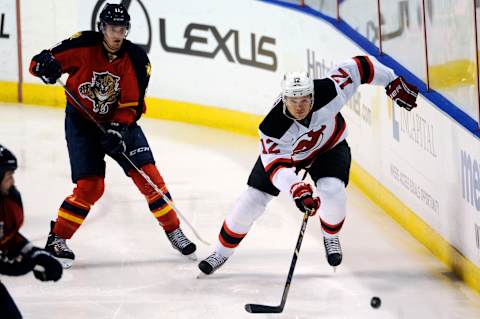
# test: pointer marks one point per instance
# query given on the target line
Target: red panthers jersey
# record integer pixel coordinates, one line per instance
(111, 90)
(11, 218)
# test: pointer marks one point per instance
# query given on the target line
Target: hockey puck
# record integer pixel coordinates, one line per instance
(375, 302)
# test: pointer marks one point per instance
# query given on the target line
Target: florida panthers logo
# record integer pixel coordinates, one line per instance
(102, 91)
(308, 141)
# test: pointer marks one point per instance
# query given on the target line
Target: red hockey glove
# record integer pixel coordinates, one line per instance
(402, 93)
(302, 194)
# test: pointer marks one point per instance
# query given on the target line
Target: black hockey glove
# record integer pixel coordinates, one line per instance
(47, 68)
(302, 194)
(403, 93)
(113, 140)
(45, 266)
(14, 266)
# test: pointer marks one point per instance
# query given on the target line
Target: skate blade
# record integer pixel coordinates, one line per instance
(192, 257)
(66, 263)
(202, 275)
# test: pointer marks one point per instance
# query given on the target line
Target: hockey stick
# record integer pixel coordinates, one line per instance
(256, 308)
(140, 171)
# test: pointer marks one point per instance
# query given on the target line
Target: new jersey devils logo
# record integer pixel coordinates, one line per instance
(308, 141)
(102, 91)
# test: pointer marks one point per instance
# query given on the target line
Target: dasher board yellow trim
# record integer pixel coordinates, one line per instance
(247, 124)
(231, 120)
(9, 92)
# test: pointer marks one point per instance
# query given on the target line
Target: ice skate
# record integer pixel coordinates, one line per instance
(211, 263)
(58, 248)
(333, 250)
(181, 243)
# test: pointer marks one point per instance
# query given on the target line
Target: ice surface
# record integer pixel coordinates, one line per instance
(125, 267)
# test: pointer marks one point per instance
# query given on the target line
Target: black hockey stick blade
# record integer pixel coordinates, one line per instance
(254, 308)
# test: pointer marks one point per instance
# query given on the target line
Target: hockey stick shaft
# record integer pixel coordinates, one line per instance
(139, 170)
(255, 308)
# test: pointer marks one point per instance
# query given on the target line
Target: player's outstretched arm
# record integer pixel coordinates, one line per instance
(350, 74)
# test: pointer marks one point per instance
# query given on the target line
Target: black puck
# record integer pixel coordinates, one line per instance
(375, 302)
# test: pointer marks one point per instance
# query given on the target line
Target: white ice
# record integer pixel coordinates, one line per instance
(125, 267)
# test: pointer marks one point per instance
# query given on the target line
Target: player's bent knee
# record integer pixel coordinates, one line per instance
(333, 195)
(250, 205)
(152, 172)
(89, 189)
(331, 187)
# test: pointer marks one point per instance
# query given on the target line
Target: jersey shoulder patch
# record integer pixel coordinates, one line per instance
(275, 124)
(78, 40)
(324, 91)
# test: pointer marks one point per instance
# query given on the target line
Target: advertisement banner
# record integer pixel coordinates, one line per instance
(8, 42)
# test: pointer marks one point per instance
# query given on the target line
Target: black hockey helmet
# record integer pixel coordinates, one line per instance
(114, 14)
(8, 161)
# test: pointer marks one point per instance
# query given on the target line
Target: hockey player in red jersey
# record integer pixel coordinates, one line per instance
(17, 255)
(305, 130)
(108, 75)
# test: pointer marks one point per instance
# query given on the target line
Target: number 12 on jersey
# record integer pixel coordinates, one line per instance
(269, 146)
(343, 78)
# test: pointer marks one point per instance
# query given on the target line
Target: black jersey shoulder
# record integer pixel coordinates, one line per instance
(324, 91)
(79, 40)
(142, 67)
(140, 62)
(275, 124)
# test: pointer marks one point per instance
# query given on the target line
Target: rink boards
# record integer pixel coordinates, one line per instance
(219, 69)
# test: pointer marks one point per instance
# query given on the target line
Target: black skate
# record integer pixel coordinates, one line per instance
(181, 243)
(333, 250)
(58, 248)
(212, 263)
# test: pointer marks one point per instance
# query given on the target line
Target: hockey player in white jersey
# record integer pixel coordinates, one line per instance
(305, 130)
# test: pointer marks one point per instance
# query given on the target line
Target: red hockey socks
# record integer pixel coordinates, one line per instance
(165, 215)
(75, 207)
(330, 229)
(229, 238)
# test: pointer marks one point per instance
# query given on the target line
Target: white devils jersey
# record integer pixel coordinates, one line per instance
(286, 143)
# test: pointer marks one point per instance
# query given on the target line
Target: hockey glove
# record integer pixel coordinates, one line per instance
(302, 194)
(14, 266)
(113, 140)
(47, 67)
(46, 267)
(402, 93)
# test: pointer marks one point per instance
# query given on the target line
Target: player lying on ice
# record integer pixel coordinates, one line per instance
(108, 75)
(305, 130)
